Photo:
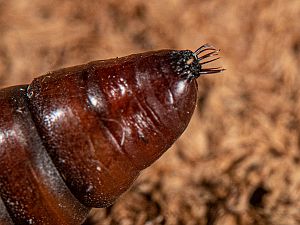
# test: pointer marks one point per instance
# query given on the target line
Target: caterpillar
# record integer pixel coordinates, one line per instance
(78, 137)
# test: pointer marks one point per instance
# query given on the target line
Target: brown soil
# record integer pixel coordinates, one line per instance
(239, 161)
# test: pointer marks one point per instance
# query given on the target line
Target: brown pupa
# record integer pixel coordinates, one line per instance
(78, 137)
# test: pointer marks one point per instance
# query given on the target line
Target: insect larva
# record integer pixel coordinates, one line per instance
(78, 137)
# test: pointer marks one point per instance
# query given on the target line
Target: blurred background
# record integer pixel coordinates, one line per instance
(238, 162)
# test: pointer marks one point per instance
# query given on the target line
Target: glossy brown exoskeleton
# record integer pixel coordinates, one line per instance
(78, 137)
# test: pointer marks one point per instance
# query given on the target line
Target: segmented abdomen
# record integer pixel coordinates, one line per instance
(30, 185)
(78, 137)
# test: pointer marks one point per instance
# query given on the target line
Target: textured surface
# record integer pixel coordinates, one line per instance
(238, 163)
